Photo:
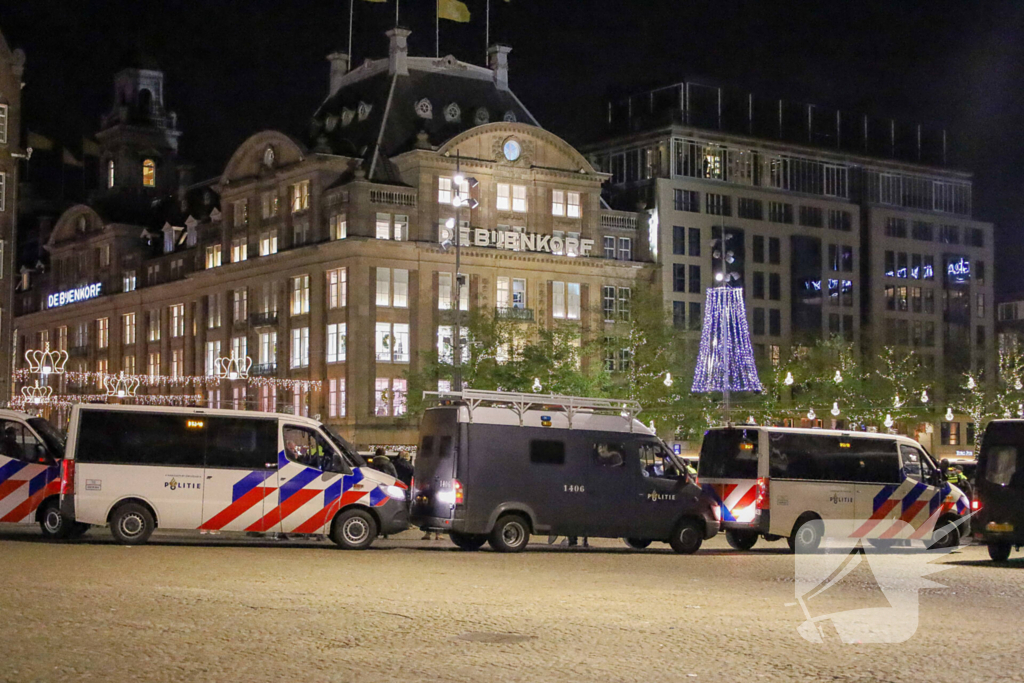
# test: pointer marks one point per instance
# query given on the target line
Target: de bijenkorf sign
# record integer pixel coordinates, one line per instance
(70, 296)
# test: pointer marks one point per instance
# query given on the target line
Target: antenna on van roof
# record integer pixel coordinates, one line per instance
(520, 402)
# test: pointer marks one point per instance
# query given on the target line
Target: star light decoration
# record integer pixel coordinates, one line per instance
(45, 362)
(122, 385)
(233, 367)
(726, 358)
(36, 395)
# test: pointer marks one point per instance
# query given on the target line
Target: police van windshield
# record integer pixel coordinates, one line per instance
(345, 447)
(658, 460)
(54, 438)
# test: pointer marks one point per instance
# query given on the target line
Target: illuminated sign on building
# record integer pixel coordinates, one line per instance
(519, 241)
(958, 269)
(72, 295)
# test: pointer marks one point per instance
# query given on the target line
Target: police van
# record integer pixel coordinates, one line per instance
(999, 488)
(783, 483)
(499, 466)
(31, 450)
(138, 468)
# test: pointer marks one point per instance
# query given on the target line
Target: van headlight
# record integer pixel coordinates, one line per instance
(396, 492)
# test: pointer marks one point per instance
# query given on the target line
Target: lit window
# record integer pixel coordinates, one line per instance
(269, 202)
(239, 347)
(558, 299)
(444, 291)
(238, 398)
(240, 304)
(300, 196)
(518, 293)
(154, 364)
(557, 202)
(572, 301)
(213, 257)
(336, 343)
(383, 286)
(129, 281)
(300, 295)
(127, 328)
(337, 288)
(128, 365)
(177, 363)
(110, 173)
(444, 190)
(178, 320)
(401, 228)
(504, 197)
(300, 347)
(625, 249)
(268, 398)
(212, 354)
(153, 327)
(501, 299)
(339, 226)
(400, 295)
(519, 198)
(383, 342)
(149, 173)
(3, 124)
(268, 348)
(212, 311)
(239, 249)
(383, 226)
(268, 242)
(336, 398)
(572, 209)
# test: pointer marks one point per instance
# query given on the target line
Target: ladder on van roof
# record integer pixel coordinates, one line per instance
(521, 402)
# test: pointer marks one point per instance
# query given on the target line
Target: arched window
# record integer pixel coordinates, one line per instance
(149, 173)
(110, 173)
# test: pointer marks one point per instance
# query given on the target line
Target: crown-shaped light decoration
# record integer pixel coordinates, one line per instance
(121, 385)
(46, 361)
(233, 367)
(37, 395)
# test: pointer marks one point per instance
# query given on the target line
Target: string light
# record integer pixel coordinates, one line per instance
(725, 305)
(970, 382)
(838, 378)
(196, 381)
(536, 385)
(811, 415)
(668, 379)
(46, 361)
(924, 396)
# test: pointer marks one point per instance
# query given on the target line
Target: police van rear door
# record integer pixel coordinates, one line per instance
(436, 489)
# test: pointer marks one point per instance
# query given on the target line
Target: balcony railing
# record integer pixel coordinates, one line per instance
(264, 319)
(392, 197)
(618, 219)
(264, 369)
(520, 314)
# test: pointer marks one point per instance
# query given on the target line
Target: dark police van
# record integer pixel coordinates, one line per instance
(999, 488)
(498, 466)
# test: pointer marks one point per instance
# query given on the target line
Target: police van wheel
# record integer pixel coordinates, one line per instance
(467, 541)
(354, 530)
(637, 543)
(131, 524)
(807, 536)
(741, 540)
(999, 552)
(687, 537)
(946, 535)
(510, 534)
(52, 522)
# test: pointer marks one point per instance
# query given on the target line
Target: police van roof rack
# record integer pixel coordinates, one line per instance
(522, 402)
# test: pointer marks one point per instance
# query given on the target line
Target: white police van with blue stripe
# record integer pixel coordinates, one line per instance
(137, 468)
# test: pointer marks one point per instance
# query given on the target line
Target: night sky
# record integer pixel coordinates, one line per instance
(235, 67)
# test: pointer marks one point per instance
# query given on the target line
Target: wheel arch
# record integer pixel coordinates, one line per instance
(42, 505)
(512, 508)
(134, 499)
(356, 506)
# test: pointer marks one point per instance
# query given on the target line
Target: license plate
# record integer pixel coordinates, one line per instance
(999, 528)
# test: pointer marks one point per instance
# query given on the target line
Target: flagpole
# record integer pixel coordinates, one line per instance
(351, 6)
(396, 13)
(487, 35)
(437, 28)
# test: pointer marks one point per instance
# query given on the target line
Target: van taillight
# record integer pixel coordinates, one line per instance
(975, 504)
(762, 503)
(67, 477)
(459, 497)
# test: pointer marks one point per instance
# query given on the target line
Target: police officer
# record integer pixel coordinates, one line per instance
(955, 476)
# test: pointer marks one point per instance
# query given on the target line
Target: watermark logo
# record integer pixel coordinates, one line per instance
(884, 565)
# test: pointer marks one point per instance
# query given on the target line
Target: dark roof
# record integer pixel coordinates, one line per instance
(358, 137)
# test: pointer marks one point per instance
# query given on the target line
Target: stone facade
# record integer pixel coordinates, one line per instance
(12, 65)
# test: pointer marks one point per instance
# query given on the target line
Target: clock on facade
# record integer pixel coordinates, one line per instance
(511, 150)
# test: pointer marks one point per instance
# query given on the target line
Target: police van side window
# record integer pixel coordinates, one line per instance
(17, 441)
(915, 465)
(609, 454)
(547, 452)
(141, 438)
(305, 447)
(241, 443)
(729, 454)
(813, 457)
(426, 447)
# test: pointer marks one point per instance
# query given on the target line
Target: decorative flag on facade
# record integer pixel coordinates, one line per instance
(726, 359)
(453, 10)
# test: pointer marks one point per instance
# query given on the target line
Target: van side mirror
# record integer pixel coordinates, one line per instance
(42, 456)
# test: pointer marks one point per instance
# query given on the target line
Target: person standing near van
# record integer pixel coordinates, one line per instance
(955, 476)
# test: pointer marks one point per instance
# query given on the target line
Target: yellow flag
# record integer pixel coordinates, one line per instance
(37, 141)
(453, 10)
(90, 148)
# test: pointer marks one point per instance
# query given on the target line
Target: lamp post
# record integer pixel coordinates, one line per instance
(458, 202)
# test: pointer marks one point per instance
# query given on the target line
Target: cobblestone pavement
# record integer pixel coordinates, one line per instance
(191, 608)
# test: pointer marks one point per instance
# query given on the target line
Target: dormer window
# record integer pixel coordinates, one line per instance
(149, 173)
(110, 173)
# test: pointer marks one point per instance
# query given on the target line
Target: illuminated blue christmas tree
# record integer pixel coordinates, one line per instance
(726, 359)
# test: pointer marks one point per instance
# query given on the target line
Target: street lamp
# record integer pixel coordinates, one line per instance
(458, 201)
